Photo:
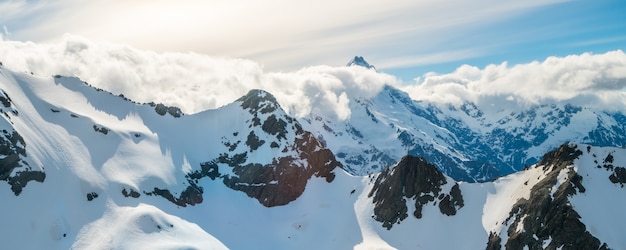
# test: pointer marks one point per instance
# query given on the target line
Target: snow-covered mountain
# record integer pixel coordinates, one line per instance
(466, 142)
(85, 169)
(554, 204)
(360, 61)
(89, 148)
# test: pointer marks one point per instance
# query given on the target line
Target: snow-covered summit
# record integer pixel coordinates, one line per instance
(360, 61)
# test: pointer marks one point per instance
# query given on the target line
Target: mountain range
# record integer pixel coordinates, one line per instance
(466, 142)
(86, 169)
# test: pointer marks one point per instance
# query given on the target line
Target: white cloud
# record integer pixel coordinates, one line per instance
(196, 82)
(586, 79)
(192, 81)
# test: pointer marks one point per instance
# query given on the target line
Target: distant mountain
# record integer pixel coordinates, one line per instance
(360, 61)
(85, 169)
(465, 142)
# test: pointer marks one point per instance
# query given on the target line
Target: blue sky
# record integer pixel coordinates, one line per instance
(556, 30)
(403, 38)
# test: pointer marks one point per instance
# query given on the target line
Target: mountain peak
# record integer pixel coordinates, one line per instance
(360, 61)
(259, 100)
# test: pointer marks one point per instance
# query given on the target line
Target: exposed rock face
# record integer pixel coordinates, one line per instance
(258, 102)
(192, 195)
(547, 216)
(131, 193)
(14, 169)
(411, 178)
(91, 196)
(275, 127)
(618, 176)
(298, 155)
(451, 202)
(100, 129)
(253, 141)
(5, 100)
(284, 179)
(161, 109)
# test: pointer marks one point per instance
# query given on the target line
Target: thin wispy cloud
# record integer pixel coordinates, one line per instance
(11, 9)
(597, 41)
(21, 14)
(425, 59)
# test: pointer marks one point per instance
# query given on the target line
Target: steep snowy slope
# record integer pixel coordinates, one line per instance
(94, 159)
(65, 186)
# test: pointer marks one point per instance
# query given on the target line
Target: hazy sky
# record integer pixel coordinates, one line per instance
(406, 38)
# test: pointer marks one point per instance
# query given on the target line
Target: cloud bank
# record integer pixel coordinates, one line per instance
(196, 82)
(191, 81)
(586, 80)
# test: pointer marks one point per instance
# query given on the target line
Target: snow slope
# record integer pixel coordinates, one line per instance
(84, 171)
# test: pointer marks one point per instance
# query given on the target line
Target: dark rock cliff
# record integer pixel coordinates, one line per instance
(412, 178)
(546, 216)
(14, 169)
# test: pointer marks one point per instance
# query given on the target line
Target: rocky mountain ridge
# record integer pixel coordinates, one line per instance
(544, 216)
(284, 179)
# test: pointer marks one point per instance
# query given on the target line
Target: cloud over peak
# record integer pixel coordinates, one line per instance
(191, 81)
